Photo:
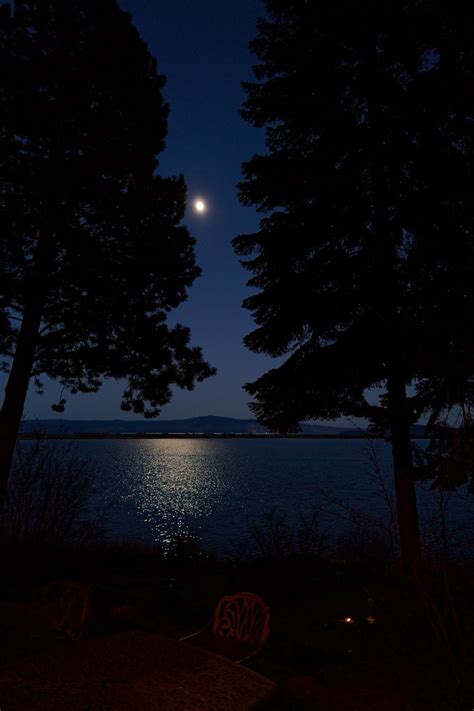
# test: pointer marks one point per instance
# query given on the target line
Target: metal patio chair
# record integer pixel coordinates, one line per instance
(238, 629)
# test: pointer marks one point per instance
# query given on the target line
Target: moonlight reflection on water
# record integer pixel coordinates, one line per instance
(156, 489)
(171, 485)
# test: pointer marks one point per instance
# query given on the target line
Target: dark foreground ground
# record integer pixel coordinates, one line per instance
(408, 657)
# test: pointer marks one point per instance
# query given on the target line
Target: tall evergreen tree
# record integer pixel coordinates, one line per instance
(364, 261)
(93, 256)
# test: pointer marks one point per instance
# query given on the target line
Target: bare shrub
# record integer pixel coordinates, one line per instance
(368, 539)
(440, 540)
(274, 538)
(49, 496)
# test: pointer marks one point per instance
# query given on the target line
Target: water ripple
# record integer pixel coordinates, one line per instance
(156, 489)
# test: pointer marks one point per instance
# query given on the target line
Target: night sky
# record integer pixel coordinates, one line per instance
(202, 48)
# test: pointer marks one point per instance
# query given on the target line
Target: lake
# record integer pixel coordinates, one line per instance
(214, 488)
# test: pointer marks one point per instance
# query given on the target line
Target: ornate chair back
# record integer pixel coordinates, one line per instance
(244, 617)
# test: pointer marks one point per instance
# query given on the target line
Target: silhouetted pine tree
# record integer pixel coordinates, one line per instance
(93, 256)
(364, 260)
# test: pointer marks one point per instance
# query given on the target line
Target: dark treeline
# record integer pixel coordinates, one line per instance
(93, 255)
(364, 260)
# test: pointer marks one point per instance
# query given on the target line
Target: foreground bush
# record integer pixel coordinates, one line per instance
(273, 537)
(50, 495)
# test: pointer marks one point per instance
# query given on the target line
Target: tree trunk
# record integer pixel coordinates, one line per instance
(400, 421)
(16, 391)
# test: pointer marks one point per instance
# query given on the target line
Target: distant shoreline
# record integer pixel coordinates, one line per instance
(196, 435)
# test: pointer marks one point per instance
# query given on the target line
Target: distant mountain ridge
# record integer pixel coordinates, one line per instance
(209, 424)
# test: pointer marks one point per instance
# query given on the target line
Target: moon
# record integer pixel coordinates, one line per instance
(200, 206)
